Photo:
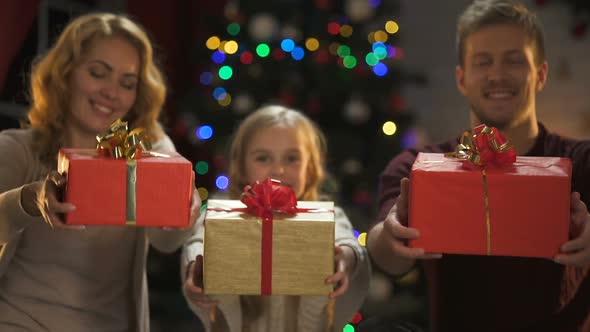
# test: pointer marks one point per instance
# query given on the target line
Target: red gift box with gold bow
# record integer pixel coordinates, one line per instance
(484, 200)
(120, 183)
(268, 243)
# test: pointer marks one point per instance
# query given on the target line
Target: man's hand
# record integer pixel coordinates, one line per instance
(388, 241)
(576, 252)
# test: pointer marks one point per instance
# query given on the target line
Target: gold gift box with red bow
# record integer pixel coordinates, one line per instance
(246, 254)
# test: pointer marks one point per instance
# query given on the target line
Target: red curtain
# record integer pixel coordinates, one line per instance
(177, 28)
(17, 18)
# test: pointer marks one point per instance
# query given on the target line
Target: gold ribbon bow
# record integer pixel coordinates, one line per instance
(120, 143)
(484, 146)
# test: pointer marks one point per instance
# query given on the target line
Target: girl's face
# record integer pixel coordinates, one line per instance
(278, 153)
(104, 86)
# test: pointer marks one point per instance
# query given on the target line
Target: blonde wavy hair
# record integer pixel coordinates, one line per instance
(278, 116)
(50, 74)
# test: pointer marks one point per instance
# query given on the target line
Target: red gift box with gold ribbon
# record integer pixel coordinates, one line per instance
(120, 183)
(268, 243)
(483, 200)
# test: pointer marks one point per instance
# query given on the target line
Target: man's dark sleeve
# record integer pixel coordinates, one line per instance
(581, 170)
(389, 182)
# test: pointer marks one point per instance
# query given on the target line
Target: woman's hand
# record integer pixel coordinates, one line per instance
(41, 199)
(193, 285)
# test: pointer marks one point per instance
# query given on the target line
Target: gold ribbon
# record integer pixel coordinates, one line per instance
(488, 218)
(465, 150)
(490, 143)
(119, 143)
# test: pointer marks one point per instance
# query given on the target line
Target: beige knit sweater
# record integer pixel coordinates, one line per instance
(19, 165)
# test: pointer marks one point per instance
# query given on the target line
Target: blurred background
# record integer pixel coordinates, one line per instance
(376, 75)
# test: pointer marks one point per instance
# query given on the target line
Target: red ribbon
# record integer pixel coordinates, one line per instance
(484, 147)
(262, 199)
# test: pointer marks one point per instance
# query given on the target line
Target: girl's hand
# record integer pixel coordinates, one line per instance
(193, 285)
(344, 262)
(41, 199)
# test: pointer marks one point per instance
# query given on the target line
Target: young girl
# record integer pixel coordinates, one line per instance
(282, 144)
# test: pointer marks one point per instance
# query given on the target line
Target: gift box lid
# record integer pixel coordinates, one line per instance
(524, 166)
(322, 211)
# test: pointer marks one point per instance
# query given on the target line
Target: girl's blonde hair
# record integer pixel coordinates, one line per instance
(278, 116)
(269, 117)
(50, 75)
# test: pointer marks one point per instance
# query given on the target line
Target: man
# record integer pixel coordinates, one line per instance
(501, 68)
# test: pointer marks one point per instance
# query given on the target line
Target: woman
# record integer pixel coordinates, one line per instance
(59, 277)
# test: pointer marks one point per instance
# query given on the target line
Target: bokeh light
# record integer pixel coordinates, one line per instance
(226, 72)
(297, 53)
(204, 132)
(391, 27)
(389, 128)
(203, 193)
(218, 57)
(362, 239)
(371, 37)
(349, 61)
(333, 48)
(333, 28)
(343, 50)
(380, 50)
(371, 59)
(226, 100)
(409, 139)
(374, 3)
(233, 29)
(222, 182)
(381, 36)
(358, 317)
(346, 31)
(246, 57)
(219, 93)
(380, 69)
(288, 45)
(312, 44)
(262, 50)
(202, 167)
(278, 54)
(206, 78)
(390, 51)
(212, 43)
(230, 47)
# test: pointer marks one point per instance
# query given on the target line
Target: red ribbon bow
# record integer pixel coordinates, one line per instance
(484, 147)
(264, 198)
